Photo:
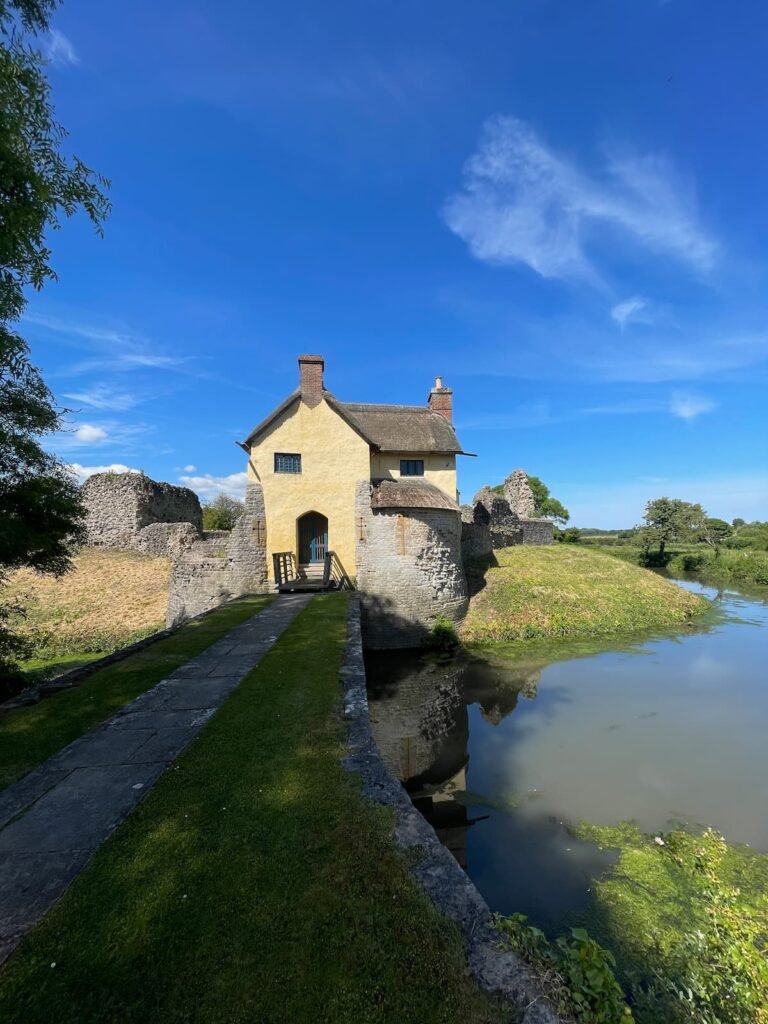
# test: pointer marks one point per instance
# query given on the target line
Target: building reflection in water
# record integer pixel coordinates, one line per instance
(419, 718)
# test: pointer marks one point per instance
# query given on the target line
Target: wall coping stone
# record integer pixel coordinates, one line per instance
(451, 890)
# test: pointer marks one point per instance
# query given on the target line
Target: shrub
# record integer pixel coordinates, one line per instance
(579, 972)
(572, 535)
(13, 648)
(443, 636)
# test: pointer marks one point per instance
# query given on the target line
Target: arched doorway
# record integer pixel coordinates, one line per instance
(313, 538)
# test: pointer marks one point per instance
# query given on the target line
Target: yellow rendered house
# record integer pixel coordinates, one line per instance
(310, 456)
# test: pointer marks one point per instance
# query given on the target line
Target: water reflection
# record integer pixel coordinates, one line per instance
(420, 714)
(501, 754)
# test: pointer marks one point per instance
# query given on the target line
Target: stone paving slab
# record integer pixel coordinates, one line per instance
(54, 819)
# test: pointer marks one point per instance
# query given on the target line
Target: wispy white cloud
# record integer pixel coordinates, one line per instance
(626, 407)
(683, 405)
(665, 358)
(118, 350)
(112, 435)
(209, 486)
(522, 203)
(87, 433)
(83, 472)
(632, 311)
(688, 406)
(102, 396)
(59, 50)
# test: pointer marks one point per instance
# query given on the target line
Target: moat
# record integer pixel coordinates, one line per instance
(505, 751)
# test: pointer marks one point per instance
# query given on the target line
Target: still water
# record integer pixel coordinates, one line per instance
(502, 751)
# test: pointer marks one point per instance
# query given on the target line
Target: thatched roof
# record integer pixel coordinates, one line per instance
(388, 428)
(410, 494)
(400, 428)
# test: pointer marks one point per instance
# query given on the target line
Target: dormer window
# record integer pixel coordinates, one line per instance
(411, 467)
(287, 463)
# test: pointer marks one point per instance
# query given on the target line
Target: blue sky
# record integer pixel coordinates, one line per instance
(560, 207)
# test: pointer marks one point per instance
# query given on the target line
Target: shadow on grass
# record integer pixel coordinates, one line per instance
(254, 884)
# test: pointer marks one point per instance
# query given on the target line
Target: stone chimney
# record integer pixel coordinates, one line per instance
(441, 399)
(311, 379)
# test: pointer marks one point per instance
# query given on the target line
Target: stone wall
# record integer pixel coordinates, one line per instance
(409, 571)
(222, 565)
(129, 510)
(490, 523)
(167, 540)
(475, 532)
(503, 523)
(119, 506)
(518, 493)
(538, 531)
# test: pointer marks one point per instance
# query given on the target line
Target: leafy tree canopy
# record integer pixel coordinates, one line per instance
(39, 184)
(222, 513)
(715, 531)
(670, 519)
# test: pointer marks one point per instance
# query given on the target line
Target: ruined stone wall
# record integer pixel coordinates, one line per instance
(120, 505)
(167, 540)
(503, 522)
(538, 531)
(409, 571)
(475, 532)
(222, 565)
(518, 493)
(492, 515)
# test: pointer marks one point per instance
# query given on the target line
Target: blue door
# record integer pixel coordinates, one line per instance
(313, 538)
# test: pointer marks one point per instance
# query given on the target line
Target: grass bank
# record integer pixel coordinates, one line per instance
(564, 591)
(31, 734)
(108, 600)
(727, 566)
(254, 884)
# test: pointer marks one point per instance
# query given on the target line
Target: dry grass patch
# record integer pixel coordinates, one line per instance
(109, 598)
(541, 592)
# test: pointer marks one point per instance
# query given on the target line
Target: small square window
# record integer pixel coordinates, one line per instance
(285, 463)
(411, 467)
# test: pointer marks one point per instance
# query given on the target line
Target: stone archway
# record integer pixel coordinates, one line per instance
(312, 533)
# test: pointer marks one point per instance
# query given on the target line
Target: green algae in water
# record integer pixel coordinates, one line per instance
(658, 894)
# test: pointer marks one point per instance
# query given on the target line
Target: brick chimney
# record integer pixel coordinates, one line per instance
(441, 399)
(311, 379)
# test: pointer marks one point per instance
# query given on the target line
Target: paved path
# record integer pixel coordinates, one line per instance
(54, 819)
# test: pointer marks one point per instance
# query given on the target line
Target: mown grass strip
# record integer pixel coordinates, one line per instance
(254, 884)
(30, 735)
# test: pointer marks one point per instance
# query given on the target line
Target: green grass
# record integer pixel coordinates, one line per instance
(564, 591)
(38, 670)
(254, 884)
(30, 735)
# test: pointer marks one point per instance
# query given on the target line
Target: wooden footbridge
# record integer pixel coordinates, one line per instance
(326, 575)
